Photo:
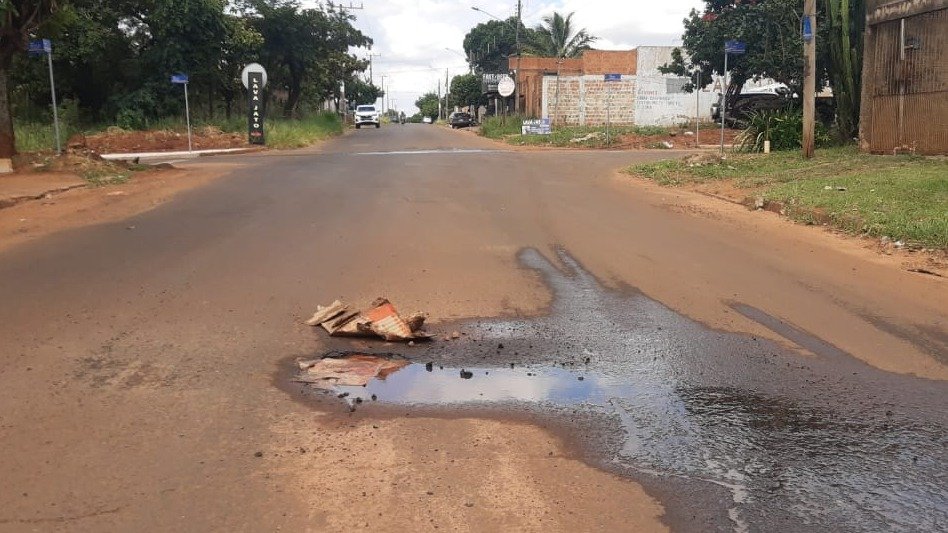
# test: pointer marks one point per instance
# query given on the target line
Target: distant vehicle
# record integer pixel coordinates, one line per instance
(426, 120)
(768, 98)
(744, 104)
(367, 115)
(460, 119)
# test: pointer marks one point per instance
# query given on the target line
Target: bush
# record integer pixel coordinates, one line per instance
(496, 127)
(782, 127)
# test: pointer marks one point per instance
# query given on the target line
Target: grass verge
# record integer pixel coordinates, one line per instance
(303, 132)
(280, 133)
(899, 197)
(508, 130)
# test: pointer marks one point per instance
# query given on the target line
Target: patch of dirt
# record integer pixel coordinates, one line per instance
(83, 163)
(675, 138)
(138, 192)
(117, 140)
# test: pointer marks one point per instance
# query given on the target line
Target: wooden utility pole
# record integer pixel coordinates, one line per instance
(809, 76)
(517, 76)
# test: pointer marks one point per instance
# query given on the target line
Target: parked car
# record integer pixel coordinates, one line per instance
(367, 115)
(744, 104)
(460, 119)
(426, 120)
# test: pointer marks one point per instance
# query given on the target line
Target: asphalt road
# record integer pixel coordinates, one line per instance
(143, 370)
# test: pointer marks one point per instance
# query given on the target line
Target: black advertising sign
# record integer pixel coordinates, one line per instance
(255, 99)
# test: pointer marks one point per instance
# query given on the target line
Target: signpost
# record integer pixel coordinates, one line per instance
(182, 79)
(40, 47)
(609, 78)
(254, 78)
(506, 87)
(736, 48)
(539, 126)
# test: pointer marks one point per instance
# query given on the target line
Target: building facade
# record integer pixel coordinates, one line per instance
(576, 91)
(904, 102)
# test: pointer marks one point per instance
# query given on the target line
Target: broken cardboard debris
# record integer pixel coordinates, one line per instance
(381, 320)
(354, 370)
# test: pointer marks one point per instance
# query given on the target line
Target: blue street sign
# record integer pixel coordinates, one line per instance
(41, 46)
(735, 47)
(612, 77)
(807, 28)
(179, 78)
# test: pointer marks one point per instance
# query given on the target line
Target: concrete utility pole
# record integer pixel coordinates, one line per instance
(447, 93)
(383, 94)
(371, 75)
(809, 76)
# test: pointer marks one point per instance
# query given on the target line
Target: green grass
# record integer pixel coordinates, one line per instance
(103, 177)
(38, 137)
(303, 132)
(900, 197)
(563, 136)
(280, 133)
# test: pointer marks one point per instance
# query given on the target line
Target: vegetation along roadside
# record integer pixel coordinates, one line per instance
(898, 198)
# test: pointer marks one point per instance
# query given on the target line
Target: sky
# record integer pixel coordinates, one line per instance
(416, 40)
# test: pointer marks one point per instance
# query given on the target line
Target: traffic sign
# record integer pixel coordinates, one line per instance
(612, 77)
(253, 67)
(807, 28)
(40, 46)
(506, 86)
(735, 47)
(179, 78)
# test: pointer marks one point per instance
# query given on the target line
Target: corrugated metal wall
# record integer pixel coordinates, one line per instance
(909, 84)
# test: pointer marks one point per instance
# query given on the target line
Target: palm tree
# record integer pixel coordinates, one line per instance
(556, 38)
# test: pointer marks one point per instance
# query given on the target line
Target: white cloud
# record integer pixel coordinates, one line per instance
(416, 37)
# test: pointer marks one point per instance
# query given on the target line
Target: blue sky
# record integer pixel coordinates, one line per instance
(418, 39)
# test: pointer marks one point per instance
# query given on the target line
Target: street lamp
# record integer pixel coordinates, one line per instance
(517, 38)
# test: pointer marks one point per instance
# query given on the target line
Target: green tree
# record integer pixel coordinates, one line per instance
(489, 44)
(18, 18)
(557, 37)
(308, 48)
(428, 105)
(466, 90)
(361, 92)
(771, 29)
(241, 46)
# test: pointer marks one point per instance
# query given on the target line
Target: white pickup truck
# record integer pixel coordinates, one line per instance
(367, 115)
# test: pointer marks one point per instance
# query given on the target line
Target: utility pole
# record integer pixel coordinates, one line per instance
(447, 93)
(371, 75)
(809, 76)
(383, 94)
(517, 76)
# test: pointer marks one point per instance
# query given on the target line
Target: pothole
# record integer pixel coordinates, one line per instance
(801, 444)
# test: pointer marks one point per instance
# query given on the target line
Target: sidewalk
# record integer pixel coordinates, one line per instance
(16, 188)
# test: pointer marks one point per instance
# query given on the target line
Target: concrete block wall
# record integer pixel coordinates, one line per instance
(588, 100)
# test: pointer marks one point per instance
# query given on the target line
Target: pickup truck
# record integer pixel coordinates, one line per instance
(366, 115)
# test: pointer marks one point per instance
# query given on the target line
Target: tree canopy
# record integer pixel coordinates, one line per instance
(466, 90)
(557, 37)
(112, 58)
(489, 44)
(428, 105)
(771, 30)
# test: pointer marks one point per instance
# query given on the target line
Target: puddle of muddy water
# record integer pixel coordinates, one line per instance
(816, 444)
